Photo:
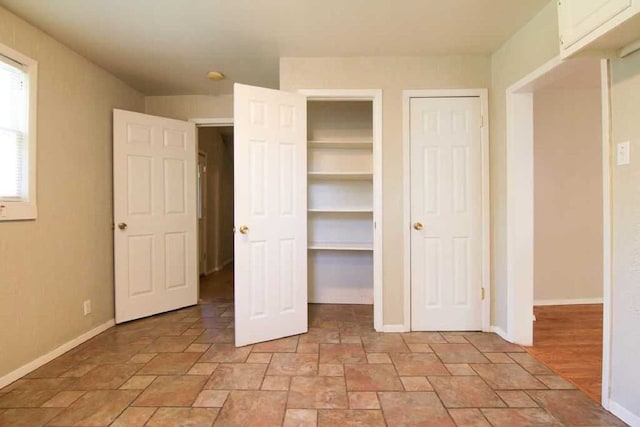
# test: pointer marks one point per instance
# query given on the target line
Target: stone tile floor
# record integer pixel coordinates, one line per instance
(182, 369)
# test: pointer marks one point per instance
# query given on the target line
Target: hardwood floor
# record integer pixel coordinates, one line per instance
(568, 339)
(218, 285)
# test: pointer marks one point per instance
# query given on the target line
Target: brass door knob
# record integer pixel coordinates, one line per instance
(122, 226)
(244, 229)
(417, 226)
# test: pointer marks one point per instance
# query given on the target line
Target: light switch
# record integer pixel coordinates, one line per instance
(623, 153)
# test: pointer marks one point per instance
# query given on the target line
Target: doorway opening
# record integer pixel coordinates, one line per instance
(335, 185)
(215, 211)
(558, 222)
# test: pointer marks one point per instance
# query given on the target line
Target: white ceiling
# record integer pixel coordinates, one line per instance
(164, 47)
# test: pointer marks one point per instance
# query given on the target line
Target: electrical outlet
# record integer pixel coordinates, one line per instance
(86, 307)
(623, 153)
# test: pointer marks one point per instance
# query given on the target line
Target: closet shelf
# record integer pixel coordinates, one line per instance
(341, 176)
(352, 246)
(341, 210)
(341, 144)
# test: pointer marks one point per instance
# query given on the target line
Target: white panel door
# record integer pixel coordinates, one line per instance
(154, 209)
(446, 209)
(270, 172)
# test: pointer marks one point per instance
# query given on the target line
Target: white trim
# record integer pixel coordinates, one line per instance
(35, 364)
(394, 328)
(218, 268)
(571, 301)
(211, 122)
(519, 100)
(203, 208)
(624, 414)
(524, 84)
(520, 213)
(499, 331)
(483, 94)
(374, 95)
(607, 237)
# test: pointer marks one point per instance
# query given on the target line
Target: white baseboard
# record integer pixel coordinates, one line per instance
(573, 301)
(218, 268)
(340, 295)
(35, 364)
(394, 328)
(624, 414)
(498, 330)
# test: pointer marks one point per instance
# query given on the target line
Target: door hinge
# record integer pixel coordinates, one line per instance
(483, 294)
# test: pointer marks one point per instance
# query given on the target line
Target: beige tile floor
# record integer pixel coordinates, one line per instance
(182, 369)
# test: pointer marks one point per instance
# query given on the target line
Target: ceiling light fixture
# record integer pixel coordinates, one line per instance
(215, 75)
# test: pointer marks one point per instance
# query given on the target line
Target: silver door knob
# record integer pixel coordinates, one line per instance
(122, 226)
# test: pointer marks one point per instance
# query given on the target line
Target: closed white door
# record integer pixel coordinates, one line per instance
(270, 174)
(154, 198)
(446, 221)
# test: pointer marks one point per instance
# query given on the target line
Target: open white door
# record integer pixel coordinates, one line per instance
(446, 214)
(154, 210)
(270, 166)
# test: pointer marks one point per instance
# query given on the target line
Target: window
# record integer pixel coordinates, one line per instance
(18, 81)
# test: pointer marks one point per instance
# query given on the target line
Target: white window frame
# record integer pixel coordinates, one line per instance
(11, 210)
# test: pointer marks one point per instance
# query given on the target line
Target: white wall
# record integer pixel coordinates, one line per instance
(49, 266)
(568, 189)
(392, 75)
(185, 107)
(625, 109)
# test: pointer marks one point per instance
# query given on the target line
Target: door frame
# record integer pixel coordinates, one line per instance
(203, 123)
(203, 208)
(483, 95)
(520, 217)
(375, 96)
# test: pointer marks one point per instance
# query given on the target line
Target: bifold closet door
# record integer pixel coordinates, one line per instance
(270, 191)
(446, 214)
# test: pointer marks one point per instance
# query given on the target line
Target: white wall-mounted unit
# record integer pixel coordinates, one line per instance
(597, 25)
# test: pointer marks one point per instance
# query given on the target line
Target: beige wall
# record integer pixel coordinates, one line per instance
(392, 75)
(185, 107)
(568, 192)
(532, 46)
(219, 197)
(49, 266)
(625, 109)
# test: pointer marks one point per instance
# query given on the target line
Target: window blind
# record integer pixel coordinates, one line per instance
(13, 119)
